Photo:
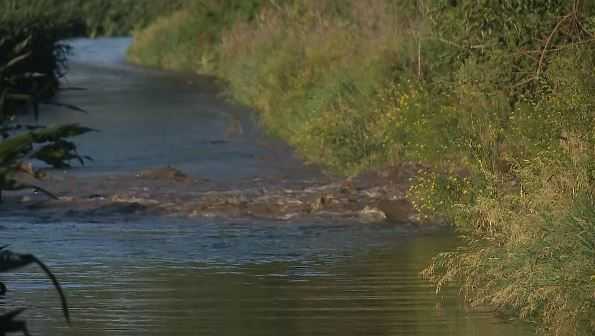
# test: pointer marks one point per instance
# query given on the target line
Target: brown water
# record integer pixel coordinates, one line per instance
(139, 275)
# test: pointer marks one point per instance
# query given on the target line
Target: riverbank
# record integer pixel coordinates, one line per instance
(503, 116)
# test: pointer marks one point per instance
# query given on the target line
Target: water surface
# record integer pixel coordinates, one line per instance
(139, 275)
(149, 118)
(156, 276)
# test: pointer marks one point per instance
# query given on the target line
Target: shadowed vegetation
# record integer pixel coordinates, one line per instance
(10, 261)
(495, 98)
(186, 40)
(91, 17)
(31, 62)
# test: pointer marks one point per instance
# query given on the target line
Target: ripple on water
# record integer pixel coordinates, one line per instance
(170, 277)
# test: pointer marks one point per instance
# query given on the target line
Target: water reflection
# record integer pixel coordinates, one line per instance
(373, 290)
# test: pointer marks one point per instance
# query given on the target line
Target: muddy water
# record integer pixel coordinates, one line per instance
(142, 275)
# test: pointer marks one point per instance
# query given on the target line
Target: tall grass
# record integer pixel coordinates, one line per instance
(318, 71)
(496, 97)
(186, 40)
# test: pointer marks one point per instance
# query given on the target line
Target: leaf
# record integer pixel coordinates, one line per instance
(15, 148)
(30, 75)
(14, 185)
(57, 154)
(19, 127)
(68, 106)
(20, 47)
(57, 133)
(14, 61)
(21, 145)
(3, 40)
(21, 97)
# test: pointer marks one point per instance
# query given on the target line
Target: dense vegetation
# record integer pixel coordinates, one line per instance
(31, 62)
(90, 17)
(188, 39)
(496, 98)
(109, 18)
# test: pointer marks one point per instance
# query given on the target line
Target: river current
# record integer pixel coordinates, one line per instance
(150, 275)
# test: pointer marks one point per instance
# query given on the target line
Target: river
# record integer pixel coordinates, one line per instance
(137, 274)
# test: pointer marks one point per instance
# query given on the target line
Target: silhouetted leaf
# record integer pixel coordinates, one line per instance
(68, 106)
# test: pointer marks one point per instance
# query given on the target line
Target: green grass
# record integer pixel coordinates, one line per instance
(185, 40)
(110, 18)
(496, 97)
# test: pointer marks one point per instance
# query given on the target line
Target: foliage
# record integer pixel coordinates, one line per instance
(90, 17)
(11, 261)
(31, 62)
(44, 144)
(186, 39)
(522, 110)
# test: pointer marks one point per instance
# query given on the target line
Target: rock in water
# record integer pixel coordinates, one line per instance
(398, 211)
(165, 173)
(372, 215)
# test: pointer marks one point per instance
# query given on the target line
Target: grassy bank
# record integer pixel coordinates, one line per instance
(187, 39)
(497, 98)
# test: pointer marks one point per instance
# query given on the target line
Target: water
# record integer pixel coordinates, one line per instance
(139, 275)
(156, 276)
(150, 118)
